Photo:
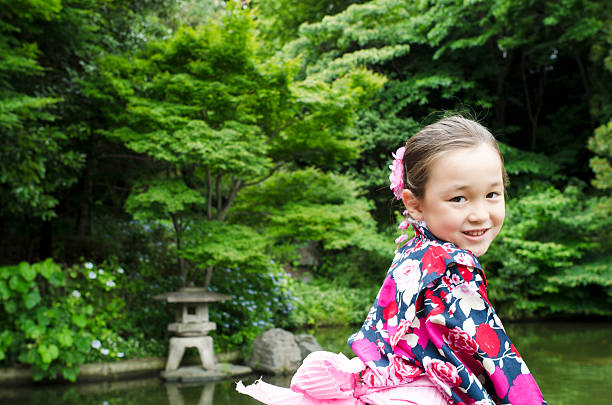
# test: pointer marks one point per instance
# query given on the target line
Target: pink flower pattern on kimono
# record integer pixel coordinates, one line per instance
(460, 341)
(433, 311)
(443, 373)
(402, 370)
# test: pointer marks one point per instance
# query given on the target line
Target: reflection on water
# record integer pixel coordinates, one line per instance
(571, 362)
(176, 397)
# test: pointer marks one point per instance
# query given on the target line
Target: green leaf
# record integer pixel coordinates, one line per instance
(65, 338)
(88, 310)
(28, 357)
(27, 272)
(47, 268)
(5, 292)
(32, 330)
(10, 306)
(48, 353)
(79, 320)
(44, 316)
(31, 299)
(57, 279)
(18, 284)
(6, 271)
(82, 343)
(70, 373)
(6, 338)
(162, 198)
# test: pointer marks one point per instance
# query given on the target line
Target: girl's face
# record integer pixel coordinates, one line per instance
(464, 198)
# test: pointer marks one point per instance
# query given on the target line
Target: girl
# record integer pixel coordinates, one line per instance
(432, 336)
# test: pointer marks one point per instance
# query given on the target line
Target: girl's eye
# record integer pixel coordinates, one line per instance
(457, 199)
(493, 195)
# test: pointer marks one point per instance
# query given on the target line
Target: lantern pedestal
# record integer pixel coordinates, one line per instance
(204, 344)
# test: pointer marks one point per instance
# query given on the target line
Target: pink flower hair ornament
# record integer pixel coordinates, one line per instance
(397, 185)
(397, 173)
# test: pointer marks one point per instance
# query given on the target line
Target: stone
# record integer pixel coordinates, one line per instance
(309, 254)
(204, 344)
(276, 352)
(191, 329)
(196, 374)
(307, 344)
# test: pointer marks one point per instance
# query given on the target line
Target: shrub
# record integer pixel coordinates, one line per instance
(51, 323)
(321, 303)
(260, 300)
(57, 318)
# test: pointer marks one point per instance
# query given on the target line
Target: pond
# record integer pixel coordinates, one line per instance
(572, 362)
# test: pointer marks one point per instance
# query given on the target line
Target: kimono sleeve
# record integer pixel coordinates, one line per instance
(395, 307)
(464, 348)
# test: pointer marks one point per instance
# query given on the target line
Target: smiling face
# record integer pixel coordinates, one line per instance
(464, 198)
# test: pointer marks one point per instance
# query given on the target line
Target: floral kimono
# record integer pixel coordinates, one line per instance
(432, 315)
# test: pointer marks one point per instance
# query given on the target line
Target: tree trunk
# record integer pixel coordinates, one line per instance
(500, 104)
(181, 261)
(46, 240)
(587, 88)
(533, 110)
(208, 277)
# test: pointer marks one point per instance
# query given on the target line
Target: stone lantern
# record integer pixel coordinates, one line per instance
(191, 325)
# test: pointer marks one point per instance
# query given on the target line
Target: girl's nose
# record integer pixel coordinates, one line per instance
(478, 213)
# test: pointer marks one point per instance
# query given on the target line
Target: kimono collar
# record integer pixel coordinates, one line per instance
(455, 254)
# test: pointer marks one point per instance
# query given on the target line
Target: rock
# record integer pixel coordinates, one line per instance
(309, 254)
(275, 351)
(307, 344)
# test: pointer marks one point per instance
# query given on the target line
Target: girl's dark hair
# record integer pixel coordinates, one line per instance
(446, 135)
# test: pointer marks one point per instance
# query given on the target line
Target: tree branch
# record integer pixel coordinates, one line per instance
(218, 187)
(585, 84)
(236, 186)
(260, 213)
(122, 156)
(209, 196)
(267, 176)
(279, 129)
(187, 173)
(528, 101)
(178, 231)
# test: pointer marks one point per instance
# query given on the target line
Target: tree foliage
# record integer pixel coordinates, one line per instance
(214, 121)
(510, 60)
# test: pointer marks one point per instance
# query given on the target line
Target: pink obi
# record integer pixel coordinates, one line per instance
(329, 378)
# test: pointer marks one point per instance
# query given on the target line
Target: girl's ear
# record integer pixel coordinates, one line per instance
(413, 205)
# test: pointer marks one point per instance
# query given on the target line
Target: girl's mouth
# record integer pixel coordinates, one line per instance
(475, 233)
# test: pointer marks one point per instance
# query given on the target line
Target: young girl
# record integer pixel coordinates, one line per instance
(432, 336)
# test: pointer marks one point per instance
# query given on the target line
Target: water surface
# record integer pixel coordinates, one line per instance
(572, 363)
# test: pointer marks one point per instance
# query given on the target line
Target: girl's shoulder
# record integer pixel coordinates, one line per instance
(432, 257)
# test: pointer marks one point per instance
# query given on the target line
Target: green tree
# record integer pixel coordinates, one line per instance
(281, 19)
(213, 121)
(35, 159)
(48, 114)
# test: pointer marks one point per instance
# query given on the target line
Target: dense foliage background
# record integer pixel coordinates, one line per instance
(244, 146)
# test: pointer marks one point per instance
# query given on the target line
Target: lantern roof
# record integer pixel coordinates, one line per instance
(191, 295)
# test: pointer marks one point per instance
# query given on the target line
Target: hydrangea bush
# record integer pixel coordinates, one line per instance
(260, 301)
(55, 318)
